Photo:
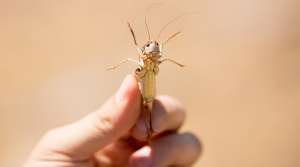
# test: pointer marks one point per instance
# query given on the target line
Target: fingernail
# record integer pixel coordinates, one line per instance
(140, 124)
(121, 94)
(144, 158)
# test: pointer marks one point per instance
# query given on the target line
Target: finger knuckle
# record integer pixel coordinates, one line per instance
(103, 125)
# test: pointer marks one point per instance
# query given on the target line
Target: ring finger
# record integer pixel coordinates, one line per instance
(171, 150)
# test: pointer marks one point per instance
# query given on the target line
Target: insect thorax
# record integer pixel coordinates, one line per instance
(148, 62)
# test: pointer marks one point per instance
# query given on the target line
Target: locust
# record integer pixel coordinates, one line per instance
(150, 58)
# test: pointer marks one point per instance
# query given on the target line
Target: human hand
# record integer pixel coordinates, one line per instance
(113, 136)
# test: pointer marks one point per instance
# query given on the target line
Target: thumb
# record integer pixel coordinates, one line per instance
(113, 120)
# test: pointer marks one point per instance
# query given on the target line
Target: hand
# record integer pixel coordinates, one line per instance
(113, 136)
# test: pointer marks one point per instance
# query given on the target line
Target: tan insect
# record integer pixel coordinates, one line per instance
(150, 57)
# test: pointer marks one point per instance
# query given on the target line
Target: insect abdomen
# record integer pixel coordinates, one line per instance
(147, 84)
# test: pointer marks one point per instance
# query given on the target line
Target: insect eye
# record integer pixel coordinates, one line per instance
(137, 71)
(148, 44)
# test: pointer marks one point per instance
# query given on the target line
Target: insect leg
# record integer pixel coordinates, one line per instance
(150, 120)
(146, 120)
(139, 51)
(124, 62)
(161, 46)
(160, 61)
(149, 106)
(171, 38)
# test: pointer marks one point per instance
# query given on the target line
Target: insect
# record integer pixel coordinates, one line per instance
(150, 57)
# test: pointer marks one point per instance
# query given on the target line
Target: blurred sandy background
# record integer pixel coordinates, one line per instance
(240, 86)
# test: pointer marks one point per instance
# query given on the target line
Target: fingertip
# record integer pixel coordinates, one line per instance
(128, 88)
(142, 157)
(124, 107)
(196, 147)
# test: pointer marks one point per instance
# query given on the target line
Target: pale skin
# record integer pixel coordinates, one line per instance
(114, 136)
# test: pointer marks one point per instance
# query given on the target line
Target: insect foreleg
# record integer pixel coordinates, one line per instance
(139, 51)
(170, 38)
(160, 61)
(124, 62)
(132, 33)
(161, 46)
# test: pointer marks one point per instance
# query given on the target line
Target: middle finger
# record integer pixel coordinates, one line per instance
(168, 115)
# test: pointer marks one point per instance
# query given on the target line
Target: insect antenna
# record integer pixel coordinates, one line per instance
(172, 21)
(146, 18)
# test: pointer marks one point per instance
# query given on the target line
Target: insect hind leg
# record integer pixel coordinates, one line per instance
(149, 105)
(145, 114)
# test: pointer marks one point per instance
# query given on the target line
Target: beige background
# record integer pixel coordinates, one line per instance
(240, 85)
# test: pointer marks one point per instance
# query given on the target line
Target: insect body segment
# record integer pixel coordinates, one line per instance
(149, 59)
